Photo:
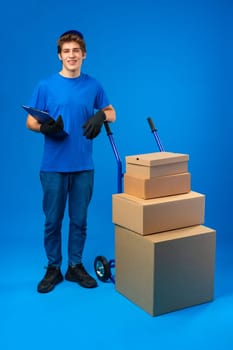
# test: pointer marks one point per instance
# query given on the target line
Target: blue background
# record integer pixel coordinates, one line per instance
(171, 60)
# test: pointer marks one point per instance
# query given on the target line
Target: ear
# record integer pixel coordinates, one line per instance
(84, 55)
(59, 56)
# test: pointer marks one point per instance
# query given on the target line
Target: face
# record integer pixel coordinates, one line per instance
(72, 57)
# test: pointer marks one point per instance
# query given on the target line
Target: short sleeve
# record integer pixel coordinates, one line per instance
(101, 99)
(38, 97)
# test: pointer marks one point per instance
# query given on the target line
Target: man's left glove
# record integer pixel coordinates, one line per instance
(93, 126)
(51, 127)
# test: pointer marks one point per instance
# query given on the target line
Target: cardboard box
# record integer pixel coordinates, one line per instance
(159, 186)
(156, 164)
(168, 271)
(148, 216)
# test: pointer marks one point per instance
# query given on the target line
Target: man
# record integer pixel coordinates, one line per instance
(79, 106)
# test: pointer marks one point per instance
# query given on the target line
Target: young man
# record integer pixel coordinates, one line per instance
(79, 105)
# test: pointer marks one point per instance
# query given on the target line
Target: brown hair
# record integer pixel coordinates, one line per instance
(69, 36)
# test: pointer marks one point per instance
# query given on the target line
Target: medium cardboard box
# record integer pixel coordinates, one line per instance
(168, 271)
(147, 216)
(156, 164)
(160, 186)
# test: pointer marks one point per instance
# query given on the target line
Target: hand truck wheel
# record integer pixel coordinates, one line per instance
(102, 268)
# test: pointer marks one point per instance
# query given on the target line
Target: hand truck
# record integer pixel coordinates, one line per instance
(103, 267)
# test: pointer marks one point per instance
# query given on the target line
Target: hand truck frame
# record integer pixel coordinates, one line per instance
(103, 267)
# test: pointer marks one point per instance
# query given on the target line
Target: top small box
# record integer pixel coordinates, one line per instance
(156, 164)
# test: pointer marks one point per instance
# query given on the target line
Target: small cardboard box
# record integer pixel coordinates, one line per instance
(147, 216)
(156, 164)
(168, 271)
(160, 186)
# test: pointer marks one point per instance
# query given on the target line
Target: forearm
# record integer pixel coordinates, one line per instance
(33, 124)
(110, 113)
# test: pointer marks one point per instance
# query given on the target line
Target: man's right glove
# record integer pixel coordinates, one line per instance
(52, 127)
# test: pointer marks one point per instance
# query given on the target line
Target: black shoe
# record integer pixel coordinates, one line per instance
(78, 274)
(52, 277)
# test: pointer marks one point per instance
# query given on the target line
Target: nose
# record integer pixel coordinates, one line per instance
(72, 53)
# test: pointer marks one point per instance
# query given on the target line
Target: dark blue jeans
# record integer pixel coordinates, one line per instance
(77, 188)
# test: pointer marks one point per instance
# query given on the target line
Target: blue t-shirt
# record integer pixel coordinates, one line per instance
(76, 100)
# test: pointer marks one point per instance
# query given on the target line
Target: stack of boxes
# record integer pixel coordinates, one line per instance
(165, 256)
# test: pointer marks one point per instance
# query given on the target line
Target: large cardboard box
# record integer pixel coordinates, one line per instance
(147, 216)
(156, 164)
(160, 186)
(167, 271)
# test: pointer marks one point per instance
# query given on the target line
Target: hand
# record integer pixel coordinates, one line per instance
(93, 126)
(52, 127)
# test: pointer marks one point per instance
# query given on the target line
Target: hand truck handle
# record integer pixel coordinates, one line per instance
(151, 124)
(107, 128)
(155, 133)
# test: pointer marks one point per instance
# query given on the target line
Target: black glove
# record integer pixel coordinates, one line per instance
(52, 127)
(93, 126)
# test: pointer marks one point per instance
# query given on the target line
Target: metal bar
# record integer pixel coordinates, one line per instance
(117, 156)
(155, 133)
